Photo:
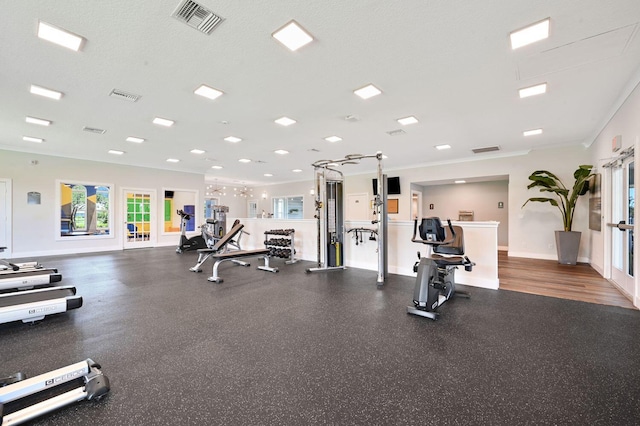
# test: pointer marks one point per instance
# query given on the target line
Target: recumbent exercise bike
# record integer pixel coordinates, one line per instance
(435, 283)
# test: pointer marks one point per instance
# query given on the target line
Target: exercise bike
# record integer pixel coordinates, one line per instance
(188, 244)
(435, 283)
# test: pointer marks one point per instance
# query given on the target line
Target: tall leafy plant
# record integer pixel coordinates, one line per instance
(563, 198)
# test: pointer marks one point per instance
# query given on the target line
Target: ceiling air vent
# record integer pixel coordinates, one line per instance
(197, 16)
(94, 130)
(396, 132)
(485, 149)
(125, 96)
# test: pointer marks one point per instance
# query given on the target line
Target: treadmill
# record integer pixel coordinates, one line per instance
(27, 277)
(34, 305)
(23, 399)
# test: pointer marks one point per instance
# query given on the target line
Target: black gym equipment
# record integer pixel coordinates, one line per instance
(23, 399)
(435, 283)
(188, 244)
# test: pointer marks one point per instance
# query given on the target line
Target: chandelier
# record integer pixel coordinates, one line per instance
(243, 192)
(215, 190)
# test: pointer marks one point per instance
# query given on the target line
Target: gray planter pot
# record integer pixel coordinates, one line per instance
(568, 244)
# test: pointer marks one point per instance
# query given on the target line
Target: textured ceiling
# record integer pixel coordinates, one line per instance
(447, 62)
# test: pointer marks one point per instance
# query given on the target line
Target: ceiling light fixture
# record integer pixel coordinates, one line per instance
(281, 151)
(530, 34)
(134, 139)
(197, 151)
(296, 170)
(216, 167)
(59, 36)
(47, 93)
(32, 139)
(292, 36)
(333, 139)
(215, 190)
(367, 91)
(532, 132)
(243, 192)
(232, 139)
(172, 160)
(244, 160)
(115, 152)
(38, 121)
(460, 181)
(443, 146)
(163, 122)
(208, 92)
(267, 175)
(538, 89)
(407, 120)
(285, 121)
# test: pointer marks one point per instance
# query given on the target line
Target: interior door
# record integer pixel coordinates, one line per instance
(140, 218)
(621, 225)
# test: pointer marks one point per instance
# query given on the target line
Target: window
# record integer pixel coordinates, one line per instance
(84, 209)
(288, 207)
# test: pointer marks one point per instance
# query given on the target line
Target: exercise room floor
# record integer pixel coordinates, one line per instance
(330, 348)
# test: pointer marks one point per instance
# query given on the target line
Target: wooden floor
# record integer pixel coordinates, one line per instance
(549, 278)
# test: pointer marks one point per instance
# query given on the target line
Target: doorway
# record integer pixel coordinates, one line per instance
(620, 228)
(5, 216)
(140, 218)
(416, 204)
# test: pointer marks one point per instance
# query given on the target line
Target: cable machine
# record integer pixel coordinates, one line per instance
(329, 205)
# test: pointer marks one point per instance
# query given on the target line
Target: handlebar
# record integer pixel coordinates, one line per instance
(433, 243)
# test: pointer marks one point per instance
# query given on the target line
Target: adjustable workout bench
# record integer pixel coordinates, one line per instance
(218, 253)
(23, 399)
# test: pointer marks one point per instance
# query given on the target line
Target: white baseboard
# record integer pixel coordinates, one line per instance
(31, 254)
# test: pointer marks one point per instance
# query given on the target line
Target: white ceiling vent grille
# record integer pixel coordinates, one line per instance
(396, 132)
(94, 130)
(197, 16)
(485, 149)
(125, 96)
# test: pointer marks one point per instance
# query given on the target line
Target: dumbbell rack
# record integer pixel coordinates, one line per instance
(283, 247)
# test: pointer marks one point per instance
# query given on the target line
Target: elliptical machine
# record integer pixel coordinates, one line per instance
(188, 244)
(435, 283)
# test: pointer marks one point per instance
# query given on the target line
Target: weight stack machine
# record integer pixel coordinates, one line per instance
(329, 205)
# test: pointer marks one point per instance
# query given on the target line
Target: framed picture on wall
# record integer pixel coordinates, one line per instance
(392, 206)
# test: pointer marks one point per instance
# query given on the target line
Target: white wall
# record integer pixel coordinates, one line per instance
(35, 226)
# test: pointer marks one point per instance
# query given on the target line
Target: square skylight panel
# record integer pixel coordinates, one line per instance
(38, 121)
(538, 89)
(163, 122)
(172, 160)
(47, 93)
(32, 139)
(531, 34)
(368, 91)
(135, 139)
(208, 92)
(443, 146)
(281, 151)
(232, 139)
(293, 36)
(285, 121)
(197, 151)
(115, 152)
(407, 120)
(59, 36)
(333, 139)
(244, 160)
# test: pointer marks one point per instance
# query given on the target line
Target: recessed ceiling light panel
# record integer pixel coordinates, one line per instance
(296, 170)
(293, 36)
(47, 93)
(281, 151)
(208, 92)
(163, 122)
(538, 89)
(59, 36)
(232, 139)
(197, 151)
(285, 121)
(115, 152)
(531, 34)
(532, 132)
(216, 167)
(38, 121)
(333, 139)
(134, 139)
(244, 160)
(443, 146)
(268, 175)
(32, 139)
(368, 91)
(460, 181)
(407, 120)
(172, 160)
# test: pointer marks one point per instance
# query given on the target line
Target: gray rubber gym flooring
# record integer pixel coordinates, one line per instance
(324, 348)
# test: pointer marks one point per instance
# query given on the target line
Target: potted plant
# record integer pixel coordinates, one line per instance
(565, 199)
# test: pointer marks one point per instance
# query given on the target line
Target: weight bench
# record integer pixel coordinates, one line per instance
(234, 255)
(218, 247)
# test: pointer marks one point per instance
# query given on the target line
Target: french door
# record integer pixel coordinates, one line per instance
(621, 237)
(140, 218)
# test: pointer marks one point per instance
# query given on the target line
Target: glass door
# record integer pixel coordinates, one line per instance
(140, 218)
(621, 225)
